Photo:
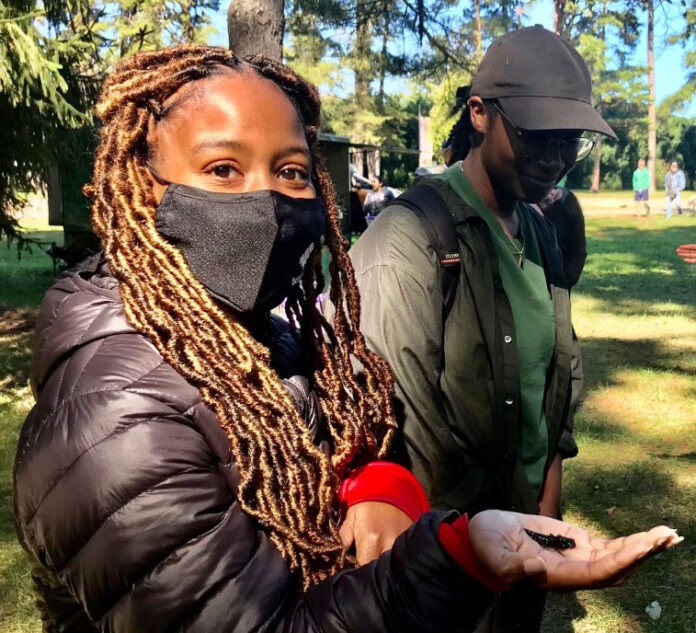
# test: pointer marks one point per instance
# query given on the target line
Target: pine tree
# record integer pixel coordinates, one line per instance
(54, 57)
(34, 102)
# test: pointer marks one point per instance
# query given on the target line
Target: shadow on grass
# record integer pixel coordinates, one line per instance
(601, 430)
(609, 354)
(562, 609)
(25, 289)
(688, 457)
(11, 419)
(639, 269)
(593, 489)
(16, 339)
(24, 280)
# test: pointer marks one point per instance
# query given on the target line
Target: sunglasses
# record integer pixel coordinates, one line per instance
(534, 144)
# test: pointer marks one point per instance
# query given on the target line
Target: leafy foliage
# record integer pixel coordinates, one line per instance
(379, 44)
(354, 48)
(54, 57)
(34, 104)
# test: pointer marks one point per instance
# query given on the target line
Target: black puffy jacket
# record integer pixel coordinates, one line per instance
(125, 501)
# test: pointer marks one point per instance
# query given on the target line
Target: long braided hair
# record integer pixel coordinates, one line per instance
(286, 482)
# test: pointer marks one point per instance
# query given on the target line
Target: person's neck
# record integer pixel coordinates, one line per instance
(500, 203)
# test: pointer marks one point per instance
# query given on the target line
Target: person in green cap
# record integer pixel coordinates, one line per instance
(483, 371)
(641, 187)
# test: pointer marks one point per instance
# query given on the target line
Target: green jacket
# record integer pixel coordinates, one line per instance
(457, 379)
(641, 179)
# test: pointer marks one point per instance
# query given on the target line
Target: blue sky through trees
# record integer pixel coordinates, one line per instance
(670, 73)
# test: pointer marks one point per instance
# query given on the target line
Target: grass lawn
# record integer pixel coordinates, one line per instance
(634, 310)
(621, 202)
(635, 313)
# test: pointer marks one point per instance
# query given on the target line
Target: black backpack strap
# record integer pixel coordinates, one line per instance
(431, 209)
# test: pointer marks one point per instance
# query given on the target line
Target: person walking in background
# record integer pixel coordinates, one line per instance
(378, 198)
(641, 187)
(675, 183)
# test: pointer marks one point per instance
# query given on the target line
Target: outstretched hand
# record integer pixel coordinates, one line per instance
(688, 253)
(505, 550)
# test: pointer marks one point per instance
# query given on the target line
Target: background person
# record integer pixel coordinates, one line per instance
(563, 209)
(641, 187)
(675, 183)
(377, 198)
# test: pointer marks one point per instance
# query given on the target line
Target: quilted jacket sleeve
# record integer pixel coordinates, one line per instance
(123, 502)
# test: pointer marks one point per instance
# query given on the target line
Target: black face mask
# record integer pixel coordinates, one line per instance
(247, 249)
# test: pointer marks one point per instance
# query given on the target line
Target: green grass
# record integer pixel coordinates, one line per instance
(24, 280)
(627, 195)
(635, 313)
(25, 276)
(621, 202)
(634, 310)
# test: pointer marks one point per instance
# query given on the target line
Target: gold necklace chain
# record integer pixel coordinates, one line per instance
(516, 245)
(517, 251)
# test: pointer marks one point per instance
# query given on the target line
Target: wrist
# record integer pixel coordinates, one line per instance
(454, 538)
(388, 483)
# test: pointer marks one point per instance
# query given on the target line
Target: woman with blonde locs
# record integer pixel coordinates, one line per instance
(216, 352)
(193, 463)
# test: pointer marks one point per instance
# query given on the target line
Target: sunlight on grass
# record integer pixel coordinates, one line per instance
(642, 398)
(635, 314)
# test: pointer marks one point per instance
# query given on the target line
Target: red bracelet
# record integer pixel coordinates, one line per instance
(386, 482)
(454, 538)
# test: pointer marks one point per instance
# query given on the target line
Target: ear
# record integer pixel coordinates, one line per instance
(479, 115)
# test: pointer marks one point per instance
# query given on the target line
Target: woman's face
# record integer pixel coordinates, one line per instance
(232, 133)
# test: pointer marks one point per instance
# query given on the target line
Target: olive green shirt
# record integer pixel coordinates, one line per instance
(532, 310)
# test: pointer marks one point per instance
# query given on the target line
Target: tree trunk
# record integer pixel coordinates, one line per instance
(374, 163)
(383, 63)
(652, 111)
(256, 27)
(559, 17)
(479, 28)
(596, 169)
(358, 159)
(362, 66)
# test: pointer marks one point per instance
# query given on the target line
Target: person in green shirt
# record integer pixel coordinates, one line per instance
(483, 384)
(641, 187)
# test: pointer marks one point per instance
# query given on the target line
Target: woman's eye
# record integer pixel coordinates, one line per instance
(294, 174)
(223, 171)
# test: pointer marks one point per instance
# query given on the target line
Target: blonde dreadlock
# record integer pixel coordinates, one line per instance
(287, 483)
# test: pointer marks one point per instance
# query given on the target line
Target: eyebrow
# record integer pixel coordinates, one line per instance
(289, 151)
(226, 144)
(236, 145)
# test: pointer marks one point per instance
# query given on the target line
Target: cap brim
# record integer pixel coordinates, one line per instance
(554, 113)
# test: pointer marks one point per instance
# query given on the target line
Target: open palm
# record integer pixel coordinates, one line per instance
(503, 548)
